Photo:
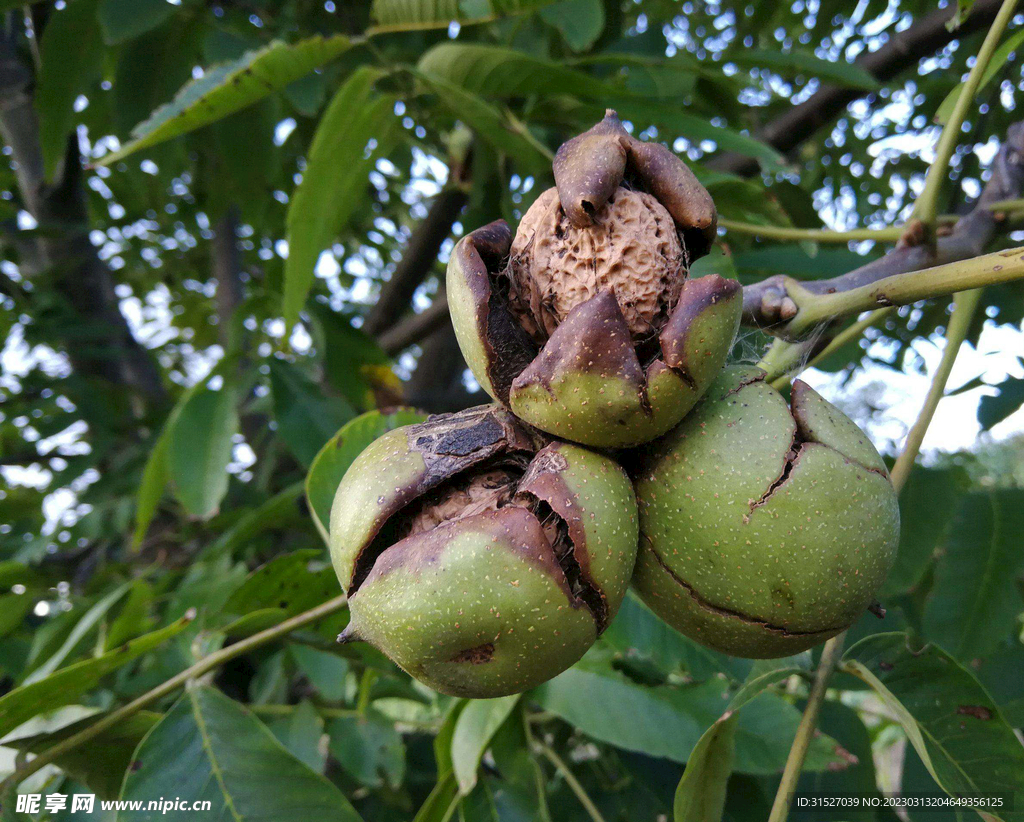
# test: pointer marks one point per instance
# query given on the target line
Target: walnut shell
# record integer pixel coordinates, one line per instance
(631, 249)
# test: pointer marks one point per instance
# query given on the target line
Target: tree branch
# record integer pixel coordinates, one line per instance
(203, 666)
(830, 655)
(965, 305)
(436, 385)
(416, 263)
(226, 262)
(84, 281)
(415, 327)
(903, 51)
(788, 308)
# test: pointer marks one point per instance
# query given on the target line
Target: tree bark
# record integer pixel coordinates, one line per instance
(111, 353)
(416, 263)
(226, 262)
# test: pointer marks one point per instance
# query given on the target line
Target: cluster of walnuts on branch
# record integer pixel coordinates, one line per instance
(485, 551)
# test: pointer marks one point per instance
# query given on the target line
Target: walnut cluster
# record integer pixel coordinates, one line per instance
(631, 248)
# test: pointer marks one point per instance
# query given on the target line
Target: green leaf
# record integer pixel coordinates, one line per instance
(208, 747)
(444, 797)
(13, 573)
(71, 55)
(493, 71)
(994, 409)
(443, 740)
(102, 763)
(1001, 673)
(668, 721)
(126, 19)
(13, 610)
(337, 455)
(306, 418)
(84, 625)
(759, 263)
(155, 476)
(579, 21)
(695, 129)
(789, 64)
(228, 87)
(368, 748)
(963, 9)
(765, 674)
(417, 14)
(325, 671)
(637, 632)
(477, 725)
(497, 800)
(994, 67)
(133, 619)
(66, 685)
(442, 802)
(279, 511)
(976, 599)
(157, 473)
(927, 504)
(700, 796)
(293, 582)
(200, 449)
(358, 127)
(254, 622)
(354, 364)
(300, 732)
(496, 127)
(951, 721)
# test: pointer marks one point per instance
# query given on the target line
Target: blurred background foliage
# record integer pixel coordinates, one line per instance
(224, 227)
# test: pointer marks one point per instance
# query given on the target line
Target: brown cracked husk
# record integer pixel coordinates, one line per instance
(585, 323)
(480, 461)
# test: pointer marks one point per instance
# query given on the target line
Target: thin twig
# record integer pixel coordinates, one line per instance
(415, 327)
(926, 205)
(572, 782)
(203, 666)
(805, 730)
(965, 305)
(770, 305)
(785, 357)
(829, 235)
(902, 289)
(819, 235)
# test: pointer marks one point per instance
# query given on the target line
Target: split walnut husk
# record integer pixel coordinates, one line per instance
(479, 555)
(765, 527)
(585, 323)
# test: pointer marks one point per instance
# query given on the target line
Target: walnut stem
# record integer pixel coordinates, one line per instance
(965, 305)
(783, 306)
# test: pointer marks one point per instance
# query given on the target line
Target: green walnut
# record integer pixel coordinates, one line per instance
(585, 323)
(764, 529)
(480, 556)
